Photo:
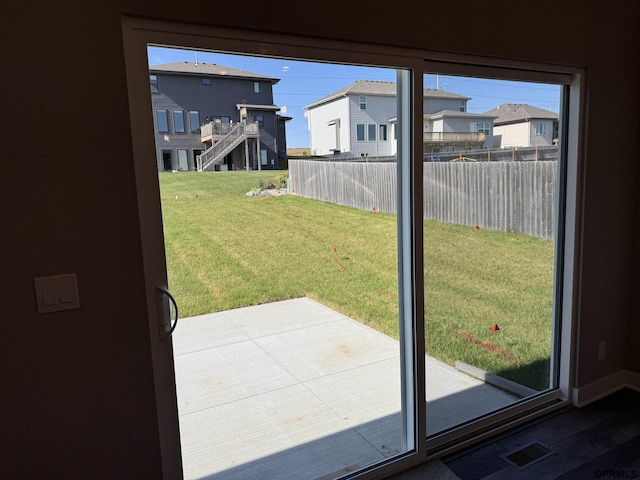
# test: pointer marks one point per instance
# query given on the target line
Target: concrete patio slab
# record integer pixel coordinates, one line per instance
(296, 390)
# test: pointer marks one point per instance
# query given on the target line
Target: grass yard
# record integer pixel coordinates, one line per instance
(228, 250)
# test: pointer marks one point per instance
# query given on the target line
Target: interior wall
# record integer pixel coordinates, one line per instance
(609, 201)
(78, 398)
(77, 395)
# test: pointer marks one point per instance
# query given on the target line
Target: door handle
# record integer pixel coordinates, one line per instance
(166, 323)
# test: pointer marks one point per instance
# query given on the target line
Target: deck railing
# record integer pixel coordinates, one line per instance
(234, 136)
(474, 137)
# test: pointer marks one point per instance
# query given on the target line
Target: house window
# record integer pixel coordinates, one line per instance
(541, 128)
(263, 157)
(153, 80)
(205, 81)
(256, 87)
(162, 119)
(371, 132)
(363, 102)
(194, 121)
(463, 105)
(484, 127)
(260, 120)
(178, 121)
(383, 133)
(360, 132)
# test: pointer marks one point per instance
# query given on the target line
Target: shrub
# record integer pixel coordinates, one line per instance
(266, 184)
(281, 180)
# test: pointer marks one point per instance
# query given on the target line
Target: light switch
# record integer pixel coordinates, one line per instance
(68, 289)
(56, 293)
(49, 294)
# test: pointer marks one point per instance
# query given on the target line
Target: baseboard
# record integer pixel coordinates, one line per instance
(633, 380)
(605, 386)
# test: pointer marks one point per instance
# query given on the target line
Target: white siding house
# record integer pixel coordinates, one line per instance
(356, 119)
(359, 120)
(332, 132)
(522, 125)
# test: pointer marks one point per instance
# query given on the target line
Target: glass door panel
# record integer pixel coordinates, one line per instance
(491, 195)
(285, 267)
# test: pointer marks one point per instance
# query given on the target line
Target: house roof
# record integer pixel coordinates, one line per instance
(379, 88)
(519, 112)
(455, 113)
(209, 70)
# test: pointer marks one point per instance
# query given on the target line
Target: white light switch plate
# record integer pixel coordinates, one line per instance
(57, 293)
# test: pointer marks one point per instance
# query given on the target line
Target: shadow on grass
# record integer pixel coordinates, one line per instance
(534, 375)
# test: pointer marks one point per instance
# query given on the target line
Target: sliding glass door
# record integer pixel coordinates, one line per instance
(352, 307)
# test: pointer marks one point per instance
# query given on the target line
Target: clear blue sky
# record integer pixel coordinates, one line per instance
(302, 83)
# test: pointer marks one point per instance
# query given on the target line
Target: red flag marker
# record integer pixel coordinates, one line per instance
(335, 250)
(477, 227)
(495, 328)
(374, 209)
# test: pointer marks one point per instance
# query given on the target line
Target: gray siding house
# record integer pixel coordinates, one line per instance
(456, 131)
(212, 117)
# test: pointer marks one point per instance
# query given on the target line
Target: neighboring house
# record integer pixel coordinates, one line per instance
(456, 131)
(212, 117)
(522, 125)
(360, 120)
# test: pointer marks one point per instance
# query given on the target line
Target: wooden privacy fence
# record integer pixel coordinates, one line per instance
(506, 196)
(367, 186)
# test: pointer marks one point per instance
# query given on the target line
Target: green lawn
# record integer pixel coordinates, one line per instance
(227, 250)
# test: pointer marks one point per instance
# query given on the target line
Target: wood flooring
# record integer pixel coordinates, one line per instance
(599, 441)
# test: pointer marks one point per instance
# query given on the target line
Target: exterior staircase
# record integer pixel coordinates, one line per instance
(215, 154)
